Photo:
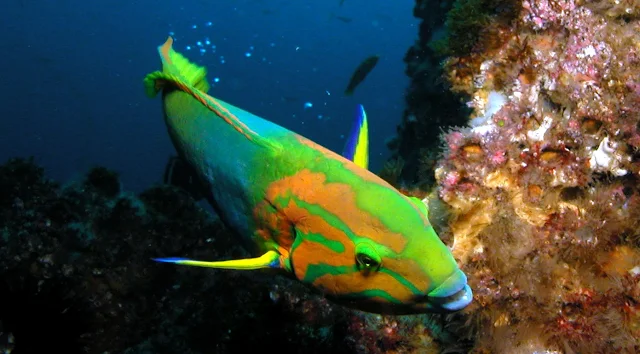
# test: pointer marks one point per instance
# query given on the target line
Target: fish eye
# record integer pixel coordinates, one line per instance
(366, 257)
(366, 261)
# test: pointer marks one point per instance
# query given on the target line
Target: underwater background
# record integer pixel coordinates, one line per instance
(517, 122)
(81, 64)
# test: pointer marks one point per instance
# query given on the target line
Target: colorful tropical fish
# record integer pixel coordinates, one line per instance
(303, 209)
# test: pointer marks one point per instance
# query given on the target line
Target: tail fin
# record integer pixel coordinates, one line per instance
(175, 69)
(190, 78)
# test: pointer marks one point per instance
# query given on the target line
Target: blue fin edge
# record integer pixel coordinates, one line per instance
(170, 259)
(352, 139)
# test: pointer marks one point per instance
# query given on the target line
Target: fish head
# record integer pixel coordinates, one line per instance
(378, 255)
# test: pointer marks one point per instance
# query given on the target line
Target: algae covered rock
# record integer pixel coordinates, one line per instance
(542, 183)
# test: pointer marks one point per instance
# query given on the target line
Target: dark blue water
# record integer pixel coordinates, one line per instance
(71, 77)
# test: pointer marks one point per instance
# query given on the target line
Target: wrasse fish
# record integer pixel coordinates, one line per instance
(361, 73)
(304, 210)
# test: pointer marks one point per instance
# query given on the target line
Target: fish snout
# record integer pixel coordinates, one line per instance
(453, 294)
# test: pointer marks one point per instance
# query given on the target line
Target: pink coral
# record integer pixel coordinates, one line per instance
(545, 192)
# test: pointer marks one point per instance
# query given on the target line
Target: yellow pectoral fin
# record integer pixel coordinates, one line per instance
(271, 259)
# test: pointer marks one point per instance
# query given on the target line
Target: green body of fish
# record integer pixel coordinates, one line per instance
(304, 209)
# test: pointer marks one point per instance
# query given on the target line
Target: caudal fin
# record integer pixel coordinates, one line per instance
(177, 70)
(190, 78)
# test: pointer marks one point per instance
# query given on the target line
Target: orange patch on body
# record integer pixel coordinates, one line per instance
(358, 282)
(365, 174)
(309, 223)
(273, 225)
(337, 199)
(311, 252)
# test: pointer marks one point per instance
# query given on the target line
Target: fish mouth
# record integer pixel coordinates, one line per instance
(453, 294)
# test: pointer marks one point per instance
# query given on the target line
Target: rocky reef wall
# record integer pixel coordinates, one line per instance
(540, 184)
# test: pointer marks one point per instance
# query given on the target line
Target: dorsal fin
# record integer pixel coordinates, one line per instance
(356, 147)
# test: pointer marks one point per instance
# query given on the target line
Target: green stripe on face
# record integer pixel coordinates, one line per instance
(335, 246)
(315, 271)
(348, 267)
(370, 294)
(402, 280)
(331, 219)
(397, 213)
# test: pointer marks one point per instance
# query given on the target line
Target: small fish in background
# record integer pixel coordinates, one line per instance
(361, 73)
(341, 2)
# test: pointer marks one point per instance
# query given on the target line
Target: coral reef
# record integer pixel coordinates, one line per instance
(76, 277)
(538, 195)
(430, 106)
(542, 184)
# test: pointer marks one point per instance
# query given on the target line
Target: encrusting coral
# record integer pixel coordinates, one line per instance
(542, 186)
